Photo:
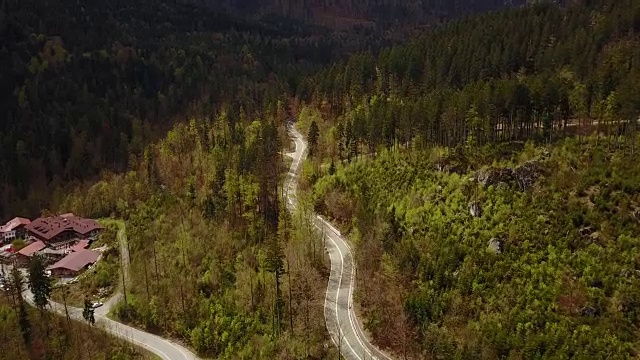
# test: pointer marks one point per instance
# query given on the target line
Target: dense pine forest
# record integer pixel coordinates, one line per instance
(512, 75)
(484, 170)
(367, 13)
(486, 174)
(86, 87)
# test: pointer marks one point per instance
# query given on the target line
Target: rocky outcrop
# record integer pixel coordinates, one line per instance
(474, 209)
(524, 175)
(495, 246)
(586, 231)
(527, 174)
(589, 234)
(493, 176)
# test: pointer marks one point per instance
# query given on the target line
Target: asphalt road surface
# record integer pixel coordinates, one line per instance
(165, 349)
(342, 323)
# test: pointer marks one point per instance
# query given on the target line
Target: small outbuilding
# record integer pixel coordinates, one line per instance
(74, 263)
(24, 254)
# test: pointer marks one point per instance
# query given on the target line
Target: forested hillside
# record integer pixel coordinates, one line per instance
(510, 75)
(472, 262)
(50, 336)
(483, 226)
(381, 13)
(216, 259)
(86, 86)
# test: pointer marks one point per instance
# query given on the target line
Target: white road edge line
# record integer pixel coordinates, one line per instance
(349, 310)
(108, 328)
(338, 292)
(355, 325)
(130, 338)
(294, 167)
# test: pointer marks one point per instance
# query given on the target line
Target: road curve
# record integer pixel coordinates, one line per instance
(124, 256)
(165, 349)
(343, 326)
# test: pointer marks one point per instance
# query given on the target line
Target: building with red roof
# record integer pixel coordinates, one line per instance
(63, 230)
(32, 248)
(24, 254)
(14, 228)
(61, 239)
(82, 244)
(74, 263)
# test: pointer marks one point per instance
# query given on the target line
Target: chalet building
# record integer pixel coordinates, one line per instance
(74, 263)
(24, 254)
(63, 231)
(61, 240)
(13, 229)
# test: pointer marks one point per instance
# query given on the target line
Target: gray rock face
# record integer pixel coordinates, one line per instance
(524, 176)
(495, 246)
(474, 209)
(494, 176)
(586, 231)
(527, 174)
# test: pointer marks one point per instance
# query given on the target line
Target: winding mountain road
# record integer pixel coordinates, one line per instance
(165, 349)
(342, 323)
(343, 326)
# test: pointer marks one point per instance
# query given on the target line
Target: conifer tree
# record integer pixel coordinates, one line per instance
(275, 262)
(314, 133)
(39, 282)
(17, 287)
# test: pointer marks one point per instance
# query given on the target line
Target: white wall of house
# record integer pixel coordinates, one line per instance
(9, 235)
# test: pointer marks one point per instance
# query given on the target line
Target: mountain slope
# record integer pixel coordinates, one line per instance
(463, 263)
(380, 12)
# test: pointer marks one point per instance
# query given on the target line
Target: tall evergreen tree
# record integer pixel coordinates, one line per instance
(275, 264)
(314, 134)
(332, 168)
(16, 288)
(39, 282)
